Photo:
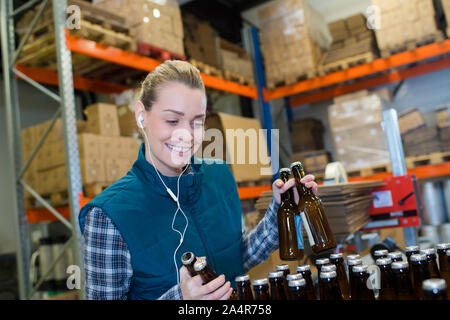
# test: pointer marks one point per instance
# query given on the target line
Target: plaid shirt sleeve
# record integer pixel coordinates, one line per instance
(261, 241)
(107, 261)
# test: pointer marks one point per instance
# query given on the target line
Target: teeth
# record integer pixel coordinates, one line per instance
(178, 149)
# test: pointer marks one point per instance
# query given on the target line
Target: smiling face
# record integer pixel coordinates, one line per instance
(174, 126)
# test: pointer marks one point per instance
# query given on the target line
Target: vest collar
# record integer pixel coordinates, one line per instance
(189, 181)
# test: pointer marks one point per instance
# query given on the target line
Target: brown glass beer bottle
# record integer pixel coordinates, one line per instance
(351, 264)
(402, 281)
(294, 276)
(432, 264)
(261, 289)
(338, 260)
(409, 251)
(444, 267)
(312, 214)
(204, 270)
(290, 232)
(297, 289)
(329, 287)
(277, 282)
(395, 256)
(380, 254)
(321, 262)
(435, 289)
(360, 290)
(420, 273)
(188, 259)
(284, 268)
(387, 290)
(243, 288)
(305, 271)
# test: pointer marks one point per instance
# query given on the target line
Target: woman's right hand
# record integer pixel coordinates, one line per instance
(192, 288)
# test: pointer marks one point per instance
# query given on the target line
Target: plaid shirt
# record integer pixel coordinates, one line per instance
(107, 258)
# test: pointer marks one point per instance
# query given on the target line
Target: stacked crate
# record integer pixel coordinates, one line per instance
(293, 36)
(446, 7)
(153, 22)
(353, 44)
(405, 24)
(105, 156)
(355, 121)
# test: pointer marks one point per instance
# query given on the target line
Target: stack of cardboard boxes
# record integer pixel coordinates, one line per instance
(105, 156)
(443, 123)
(200, 40)
(355, 121)
(404, 21)
(234, 60)
(351, 40)
(293, 36)
(153, 22)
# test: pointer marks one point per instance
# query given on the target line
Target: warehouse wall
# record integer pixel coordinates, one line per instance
(35, 108)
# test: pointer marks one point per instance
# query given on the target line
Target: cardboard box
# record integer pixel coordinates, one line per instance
(247, 155)
(443, 116)
(127, 121)
(92, 170)
(410, 120)
(130, 148)
(110, 147)
(313, 161)
(102, 119)
(115, 169)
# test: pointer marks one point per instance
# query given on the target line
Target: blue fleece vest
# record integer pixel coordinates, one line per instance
(142, 211)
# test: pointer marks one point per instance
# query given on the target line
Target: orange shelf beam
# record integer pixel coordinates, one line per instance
(379, 65)
(135, 61)
(394, 76)
(51, 78)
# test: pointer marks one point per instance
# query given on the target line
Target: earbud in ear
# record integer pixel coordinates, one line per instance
(140, 120)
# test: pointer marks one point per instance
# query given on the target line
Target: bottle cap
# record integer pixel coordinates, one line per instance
(443, 246)
(259, 282)
(297, 283)
(200, 264)
(187, 258)
(242, 278)
(305, 267)
(359, 268)
(418, 257)
(400, 265)
(282, 267)
(320, 262)
(297, 163)
(336, 255)
(412, 248)
(276, 274)
(328, 275)
(353, 257)
(395, 254)
(328, 268)
(294, 276)
(383, 261)
(434, 284)
(382, 252)
(354, 262)
(285, 170)
(429, 251)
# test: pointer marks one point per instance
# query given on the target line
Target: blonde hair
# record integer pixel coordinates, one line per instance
(169, 71)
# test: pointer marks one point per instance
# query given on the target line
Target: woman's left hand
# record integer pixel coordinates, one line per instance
(279, 187)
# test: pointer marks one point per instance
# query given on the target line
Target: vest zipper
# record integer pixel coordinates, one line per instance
(202, 237)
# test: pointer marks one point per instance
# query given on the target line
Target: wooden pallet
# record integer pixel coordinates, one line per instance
(149, 50)
(93, 189)
(411, 45)
(365, 172)
(206, 68)
(288, 80)
(238, 78)
(346, 63)
(427, 159)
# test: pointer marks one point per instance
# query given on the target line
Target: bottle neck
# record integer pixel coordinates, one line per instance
(298, 175)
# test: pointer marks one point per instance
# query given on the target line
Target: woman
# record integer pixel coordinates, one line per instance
(136, 230)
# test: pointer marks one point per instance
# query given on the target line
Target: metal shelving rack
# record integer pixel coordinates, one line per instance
(66, 112)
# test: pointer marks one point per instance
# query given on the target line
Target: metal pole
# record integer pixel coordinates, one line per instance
(14, 148)
(66, 90)
(395, 147)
